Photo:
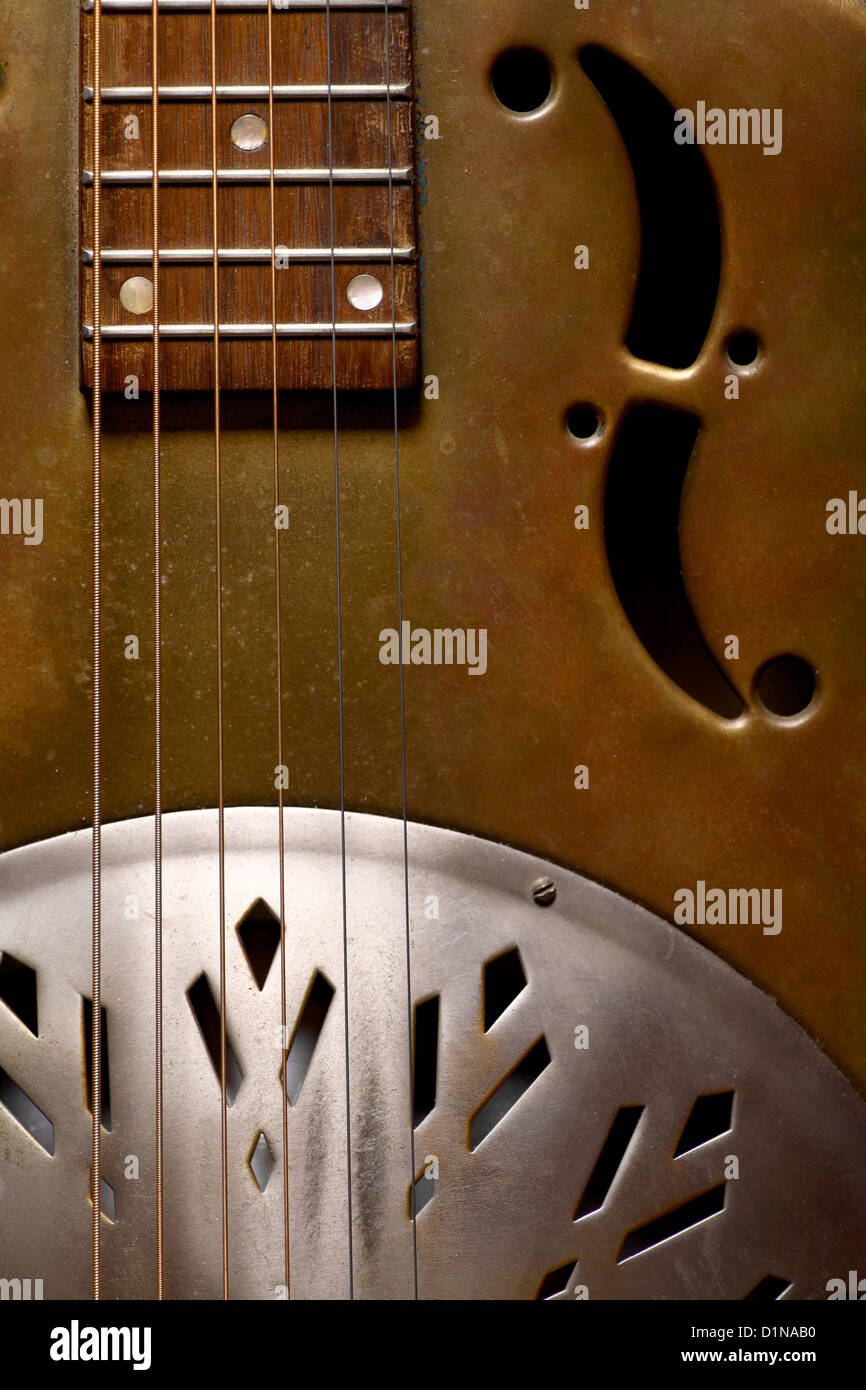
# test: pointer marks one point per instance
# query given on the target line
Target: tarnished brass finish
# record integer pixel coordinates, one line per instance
(490, 479)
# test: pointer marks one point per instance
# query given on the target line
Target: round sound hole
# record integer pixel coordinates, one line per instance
(522, 79)
(744, 349)
(585, 422)
(786, 686)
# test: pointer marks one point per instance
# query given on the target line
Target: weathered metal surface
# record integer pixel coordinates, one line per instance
(630, 1013)
(490, 479)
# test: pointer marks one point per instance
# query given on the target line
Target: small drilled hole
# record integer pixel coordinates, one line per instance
(743, 349)
(584, 422)
(786, 686)
(249, 133)
(522, 79)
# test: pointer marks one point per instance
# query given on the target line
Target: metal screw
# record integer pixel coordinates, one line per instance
(544, 891)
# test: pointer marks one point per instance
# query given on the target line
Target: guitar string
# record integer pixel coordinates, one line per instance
(388, 109)
(157, 681)
(279, 633)
(340, 650)
(96, 863)
(224, 1176)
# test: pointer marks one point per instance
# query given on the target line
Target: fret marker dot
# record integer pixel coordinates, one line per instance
(136, 295)
(364, 292)
(249, 133)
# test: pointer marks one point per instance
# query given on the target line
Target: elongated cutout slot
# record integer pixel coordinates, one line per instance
(710, 1117)
(425, 1058)
(307, 1034)
(556, 1281)
(26, 1112)
(509, 1091)
(207, 1016)
(504, 979)
(421, 1194)
(18, 991)
(673, 1223)
(609, 1160)
(104, 1071)
(769, 1290)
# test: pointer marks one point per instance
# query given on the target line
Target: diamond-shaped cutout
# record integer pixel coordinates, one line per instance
(259, 932)
(262, 1161)
(18, 991)
(710, 1117)
(504, 979)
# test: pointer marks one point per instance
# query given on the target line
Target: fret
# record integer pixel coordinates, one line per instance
(370, 126)
(246, 176)
(304, 91)
(237, 6)
(245, 255)
(251, 330)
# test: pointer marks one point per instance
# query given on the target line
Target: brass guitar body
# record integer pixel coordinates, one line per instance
(490, 477)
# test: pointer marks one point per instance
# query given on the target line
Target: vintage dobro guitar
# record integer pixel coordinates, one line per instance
(432, 670)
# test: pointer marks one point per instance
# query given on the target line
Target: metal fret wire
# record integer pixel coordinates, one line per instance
(239, 6)
(402, 677)
(224, 1171)
(279, 628)
(157, 689)
(96, 866)
(340, 656)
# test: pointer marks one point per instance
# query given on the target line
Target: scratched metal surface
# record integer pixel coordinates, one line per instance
(666, 1024)
(489, 480)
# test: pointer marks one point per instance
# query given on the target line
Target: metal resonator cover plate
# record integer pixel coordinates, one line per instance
(605, 1108)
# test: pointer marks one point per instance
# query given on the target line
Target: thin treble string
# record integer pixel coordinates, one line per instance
(400, 631)
(340, 646)
(157, 678)
(224, 1172)
(279, 627)
(96, 866)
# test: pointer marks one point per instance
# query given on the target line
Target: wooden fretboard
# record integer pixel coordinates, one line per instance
(370, 194)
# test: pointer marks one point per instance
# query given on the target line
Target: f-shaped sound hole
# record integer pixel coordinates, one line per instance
(641, 521)
(681, 241)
